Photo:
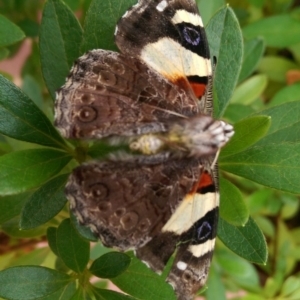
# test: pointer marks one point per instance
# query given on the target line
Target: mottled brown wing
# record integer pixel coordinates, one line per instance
(127, 203)
(170, 37)
(108, 94)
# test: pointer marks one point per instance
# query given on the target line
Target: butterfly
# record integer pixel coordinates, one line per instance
(157, 96)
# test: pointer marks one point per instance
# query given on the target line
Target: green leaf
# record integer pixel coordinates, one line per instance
(110, 265)
(64, 293)
(142, 283)
(11, 206)
(81, 294)
(31, 282)
(266, 226)
(73, 4)
(216, 289)
(247, 132)
(72, 249)
(52, 239)
(209, 8)
(45, 203)
(11, 228)
(247, 242)
(100, 23)
(248, 91)
(276, 166)
(286, 94)
(9, 32)
(60, 38)
(236, 112)
(232, 207)
(240, 270)
(102, 294)
(35, 257)
(84, 231)
(24, 170)
(33, 90)
(22, 120)
(30, 27)
(274, 161)
(253, 51)
(291, 285)
(223, 31)
(276, 67)
(274, 30)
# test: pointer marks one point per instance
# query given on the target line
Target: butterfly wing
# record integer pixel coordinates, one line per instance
(154, 206)
(108, 94)
(169, 36)
(127, 203)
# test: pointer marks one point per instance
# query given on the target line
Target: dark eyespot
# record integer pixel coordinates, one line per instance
(107, 78)
(87, 114)
(204, 231)
(191, 35)
(129, 220)
(99, 191)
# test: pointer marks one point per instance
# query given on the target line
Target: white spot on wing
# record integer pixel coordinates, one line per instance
(191, 209)
(125, 15)
(181, 265)
(162, 5)
(116, 30)
(182, 15)
(171, 60)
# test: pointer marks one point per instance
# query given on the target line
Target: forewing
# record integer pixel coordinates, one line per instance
(169, 36)
(108, 94)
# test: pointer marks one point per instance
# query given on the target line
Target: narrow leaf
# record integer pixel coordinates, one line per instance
(28, 169)
(100, 23)
(247, 132)
(11, 206)
(247, 242)
(253, 51)
(232, 207)
(72, 249)
(248, 91)
(223, 32)
(52, 239)
(60, 38)
(22, 120)
(9, 32)
(30, 282)
(110, 265)
(45, 203)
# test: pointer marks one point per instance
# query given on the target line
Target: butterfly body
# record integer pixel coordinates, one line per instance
(158, 95)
